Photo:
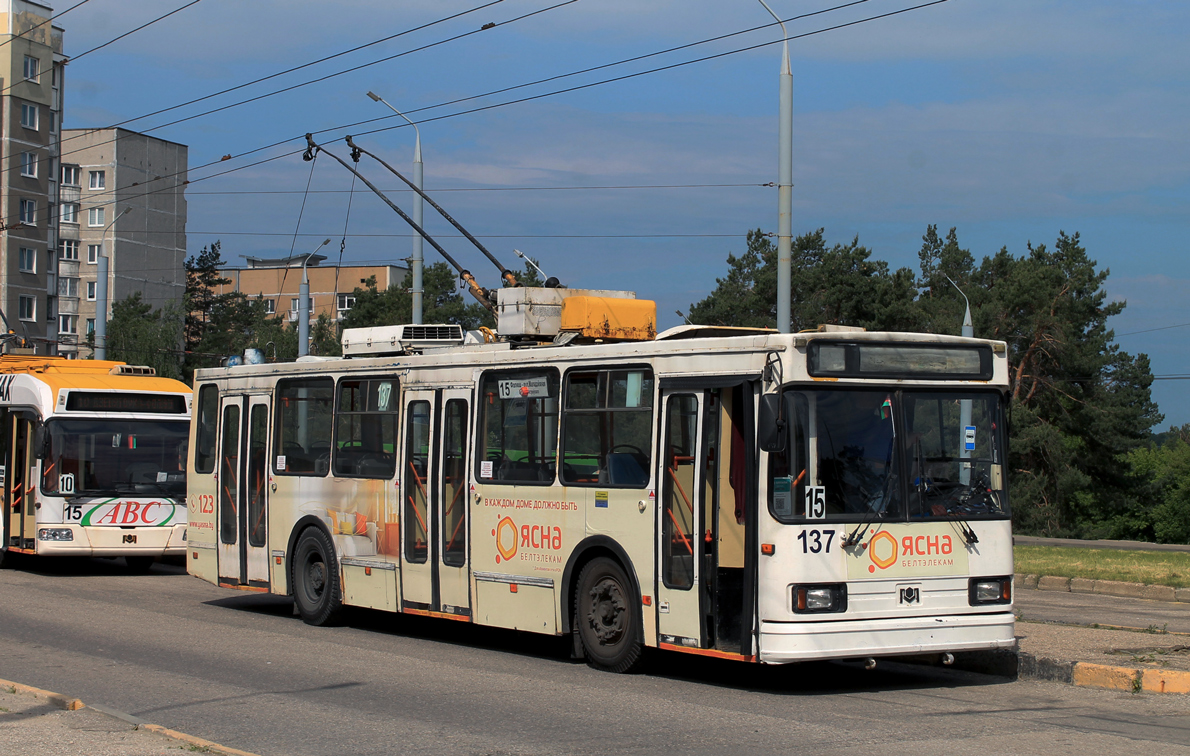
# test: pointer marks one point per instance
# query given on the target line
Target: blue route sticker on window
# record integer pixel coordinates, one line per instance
(969, 438)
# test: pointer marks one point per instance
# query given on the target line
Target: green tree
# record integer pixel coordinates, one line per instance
(840, 285)
(140, 335)
(442, 302)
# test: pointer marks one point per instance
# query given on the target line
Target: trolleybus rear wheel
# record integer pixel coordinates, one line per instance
(607, 615)
(316, 579)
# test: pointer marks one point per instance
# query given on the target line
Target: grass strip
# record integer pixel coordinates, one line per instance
(1149, 567)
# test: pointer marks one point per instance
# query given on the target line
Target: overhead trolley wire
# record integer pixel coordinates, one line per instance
(489, 107)
(289, 70)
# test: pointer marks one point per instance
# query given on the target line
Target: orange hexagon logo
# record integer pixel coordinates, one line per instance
(500, 532)
(883, 556)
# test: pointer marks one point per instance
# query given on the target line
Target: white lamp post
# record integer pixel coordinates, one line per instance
(784, 185)
(101, 290)
(417, 213)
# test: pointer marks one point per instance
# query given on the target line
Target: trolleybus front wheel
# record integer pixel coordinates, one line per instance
(607, 615)
(316, 579)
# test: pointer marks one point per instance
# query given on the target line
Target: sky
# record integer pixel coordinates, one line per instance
(1010, 120)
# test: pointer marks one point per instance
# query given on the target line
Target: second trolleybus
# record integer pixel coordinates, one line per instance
(92, 459)
(749, 495)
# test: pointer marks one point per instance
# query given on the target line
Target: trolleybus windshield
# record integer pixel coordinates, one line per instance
(846, 449)
(115, 457)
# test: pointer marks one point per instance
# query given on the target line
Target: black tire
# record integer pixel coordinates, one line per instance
(316, 590)
(607, 615)
(139, 564)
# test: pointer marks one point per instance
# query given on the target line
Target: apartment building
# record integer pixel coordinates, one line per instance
(123, 197)
(31, 86)
(276, 280)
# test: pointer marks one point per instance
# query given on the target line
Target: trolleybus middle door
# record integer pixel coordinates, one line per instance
(243, 491)
(419, 500)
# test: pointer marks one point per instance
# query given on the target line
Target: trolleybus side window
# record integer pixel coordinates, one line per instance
(678, 492)
(366, 428)
(518, 429)
(303, 417)
(608, 428)
(454, 480)
(229, 474)
(207, 420)
(417, 483)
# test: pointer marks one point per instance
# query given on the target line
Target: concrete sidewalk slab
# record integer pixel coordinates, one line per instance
(51, 724)
(1103, 658)
(1102, 587)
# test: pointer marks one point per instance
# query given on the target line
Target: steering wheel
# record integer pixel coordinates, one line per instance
(629, 447)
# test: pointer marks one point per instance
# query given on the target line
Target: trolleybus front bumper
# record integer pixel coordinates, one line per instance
(109, 541)
(783, 642)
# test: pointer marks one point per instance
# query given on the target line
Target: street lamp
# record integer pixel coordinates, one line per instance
(304, 304)
(101, 290)
(784, 185)
(417, 208)
(965, 405)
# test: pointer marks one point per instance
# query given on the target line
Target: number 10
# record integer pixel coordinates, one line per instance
(815, 502)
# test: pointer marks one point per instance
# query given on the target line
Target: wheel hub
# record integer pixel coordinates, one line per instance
(317, 574)
(606, 613)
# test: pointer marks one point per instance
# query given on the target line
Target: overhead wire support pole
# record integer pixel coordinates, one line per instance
(505, 273)
(473, 286)
(784, 185)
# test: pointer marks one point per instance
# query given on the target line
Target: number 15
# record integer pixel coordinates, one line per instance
(815, 502)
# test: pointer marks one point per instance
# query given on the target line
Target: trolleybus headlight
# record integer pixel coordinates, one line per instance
(816, 599)
(55, 534)
(990, 590)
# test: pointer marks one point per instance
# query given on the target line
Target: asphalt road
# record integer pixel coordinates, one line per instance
(239, 669)
(1091, 608)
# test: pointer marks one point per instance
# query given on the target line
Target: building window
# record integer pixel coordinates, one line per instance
(295, 302)
(70, 175)
(29, 116)
(53, 122)
(28, 260)
(91, 290)
(29, 164)
(98, 180)
(95, 217)
(50, 311)
(55, 75)
(29, 212)
(346, 302)
(68, 287)
(27, 308)
(270, 306)
(70, 249)
(90, 326)
(70, 213)
(32, 68)
(68, 323)
(93, 251)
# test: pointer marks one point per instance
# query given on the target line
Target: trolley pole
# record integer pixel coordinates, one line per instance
(784, 185)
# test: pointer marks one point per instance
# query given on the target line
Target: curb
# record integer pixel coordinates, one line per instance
(1103, 587)
(74, 704)
(1087, 675)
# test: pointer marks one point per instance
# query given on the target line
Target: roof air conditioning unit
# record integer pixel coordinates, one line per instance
(399, 339)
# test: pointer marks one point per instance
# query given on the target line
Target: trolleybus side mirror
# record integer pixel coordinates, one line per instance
(771, 428)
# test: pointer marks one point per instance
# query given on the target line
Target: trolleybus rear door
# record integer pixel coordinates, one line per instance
(243, 490)
(418, 521)
(452, 491)
(680, 523)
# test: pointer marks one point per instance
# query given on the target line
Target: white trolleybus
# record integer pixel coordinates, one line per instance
(728, 492)
(93, 459)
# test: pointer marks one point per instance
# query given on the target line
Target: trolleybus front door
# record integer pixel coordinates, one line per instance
(701, 576)
(18, 491)
(681, 513)
(434, 502)
(243, 491)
